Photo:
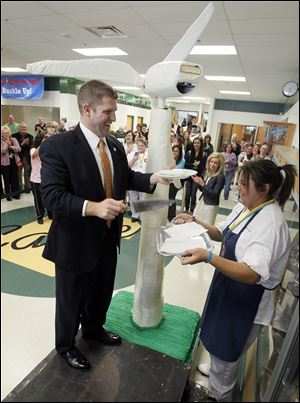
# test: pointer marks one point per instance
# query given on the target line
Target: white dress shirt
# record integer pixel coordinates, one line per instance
(93, 141)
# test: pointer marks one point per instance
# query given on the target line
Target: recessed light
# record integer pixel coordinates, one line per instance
(12, 69)
(224, 78)
(100, 52)
(213, 50)
(235, 92)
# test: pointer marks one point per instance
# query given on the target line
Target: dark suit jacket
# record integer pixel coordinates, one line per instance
(211, 192)
(70, 175)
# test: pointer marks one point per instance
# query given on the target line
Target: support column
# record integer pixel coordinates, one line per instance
(148, 298)
(210, 115)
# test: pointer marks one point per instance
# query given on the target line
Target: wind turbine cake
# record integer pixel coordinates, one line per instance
(174, 76)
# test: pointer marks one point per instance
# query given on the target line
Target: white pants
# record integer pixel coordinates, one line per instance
(134, 196)
(222, 375)
(206, 212)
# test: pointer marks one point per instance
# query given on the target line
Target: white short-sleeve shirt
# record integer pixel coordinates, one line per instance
(264, 246)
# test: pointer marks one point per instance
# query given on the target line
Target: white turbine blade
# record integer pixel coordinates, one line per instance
(186, 43)
(98, 69)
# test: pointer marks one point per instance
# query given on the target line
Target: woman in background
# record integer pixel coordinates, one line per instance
(230, 164)
(178, 163)
(211, 188)
(10, 149)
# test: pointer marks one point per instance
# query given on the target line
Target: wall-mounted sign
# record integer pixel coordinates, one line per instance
(22, 87)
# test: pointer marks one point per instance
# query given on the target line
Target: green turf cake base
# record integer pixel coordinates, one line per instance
(176, 336)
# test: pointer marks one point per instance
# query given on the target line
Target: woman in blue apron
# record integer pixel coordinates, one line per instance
(255, 248)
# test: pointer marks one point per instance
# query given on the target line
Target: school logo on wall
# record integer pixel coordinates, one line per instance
(22, 246)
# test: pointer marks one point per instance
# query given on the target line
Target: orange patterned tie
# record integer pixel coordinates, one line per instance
(106, 167)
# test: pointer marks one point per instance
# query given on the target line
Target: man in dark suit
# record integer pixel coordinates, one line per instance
(85, 176)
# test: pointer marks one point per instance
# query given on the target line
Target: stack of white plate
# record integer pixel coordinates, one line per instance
(173, 174)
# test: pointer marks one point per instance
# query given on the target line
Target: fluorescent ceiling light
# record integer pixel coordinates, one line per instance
(235, 92)
(224, 78)
(125, 88)
(178, 102)
(144, 96)
(213, 50)
(12, 69)
(143, 75)
(195, 98)
(100, 52)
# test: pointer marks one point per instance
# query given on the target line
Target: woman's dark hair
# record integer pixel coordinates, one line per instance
(179, 158)
(208, 136)
(281, 179)
(193, 151)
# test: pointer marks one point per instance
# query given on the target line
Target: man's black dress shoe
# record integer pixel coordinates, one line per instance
(76, 359)
(108, 338)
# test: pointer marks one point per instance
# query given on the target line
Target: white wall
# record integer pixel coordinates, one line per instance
(69, 109)
(124, 110)
(239, 118)
(50, 99)
(292, 116)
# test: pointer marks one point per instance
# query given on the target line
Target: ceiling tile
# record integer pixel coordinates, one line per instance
(20, 9)
(261, 9)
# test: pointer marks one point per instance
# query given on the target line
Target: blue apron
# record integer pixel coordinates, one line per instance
(230, 308)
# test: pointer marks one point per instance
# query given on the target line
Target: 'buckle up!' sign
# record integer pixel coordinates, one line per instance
(22, 87)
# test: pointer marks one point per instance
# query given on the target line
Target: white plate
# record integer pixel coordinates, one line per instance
(176, 173)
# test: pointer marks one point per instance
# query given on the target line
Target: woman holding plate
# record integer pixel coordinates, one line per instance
(255, 249)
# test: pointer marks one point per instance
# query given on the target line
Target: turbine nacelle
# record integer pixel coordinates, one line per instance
(172, 79)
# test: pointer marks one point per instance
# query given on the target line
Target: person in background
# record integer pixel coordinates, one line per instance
(193, 160)
(186, 143)
(137, 163)
(40, 127)
(179, 163)
(264, 152)
(84, 179)
(255, 249)
(120, 133)
(10, 149)
(210, 188)
(230, 164)
(35, 179)
(236, 147)
(51, 129)
(12, 125)
(145, 131)
(61, 127)
(256, 152)
(26, 141)
(129, 144)
(172, 137)
(207, 148)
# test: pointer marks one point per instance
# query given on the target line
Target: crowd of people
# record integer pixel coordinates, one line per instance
(20, 163)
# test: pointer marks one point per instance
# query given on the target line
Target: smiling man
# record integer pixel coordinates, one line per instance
(85, 176)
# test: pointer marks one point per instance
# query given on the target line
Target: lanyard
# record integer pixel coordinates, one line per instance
(141, 160)
(256, 209)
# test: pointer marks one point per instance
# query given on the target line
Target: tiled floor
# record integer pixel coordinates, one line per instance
(27, 331)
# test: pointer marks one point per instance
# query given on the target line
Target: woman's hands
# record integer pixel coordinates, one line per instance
(193, 256)
(198, 180)
(182, 219)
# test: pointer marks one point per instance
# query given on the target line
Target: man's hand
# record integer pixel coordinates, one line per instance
(108, 209)
(193, 256)
(154, 179)
(182, 219)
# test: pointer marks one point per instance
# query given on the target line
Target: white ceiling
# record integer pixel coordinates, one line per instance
(265, 34)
